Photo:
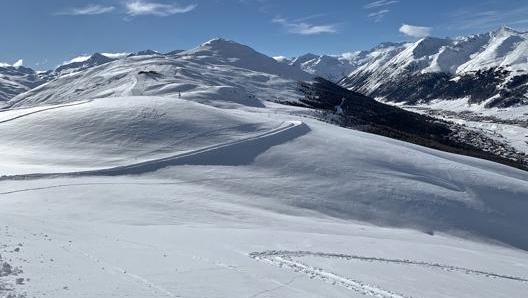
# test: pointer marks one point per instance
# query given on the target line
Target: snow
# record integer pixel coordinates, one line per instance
(503, 47)
(282, 59)
(514, 135)
(218, 69)
(17, 64)
(116, 55)
(77, 59)
(154, 127)
(16, 79)
(84, 58)
(461, 105)
(335, 67)
(157, 176)
(194, 230)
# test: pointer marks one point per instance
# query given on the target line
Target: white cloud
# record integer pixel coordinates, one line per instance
(281, 59)
(87, 10)
(415, 31)
(84, 58)
(380, 3)
(77, 59)
(305, 28)
(140, 7)
(480, 18)
(350, 55)
(115, 55)
(379, 15)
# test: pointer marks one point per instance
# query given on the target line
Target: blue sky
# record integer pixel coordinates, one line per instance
(44, 33)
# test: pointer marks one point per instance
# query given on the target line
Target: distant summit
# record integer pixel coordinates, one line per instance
(489, 69)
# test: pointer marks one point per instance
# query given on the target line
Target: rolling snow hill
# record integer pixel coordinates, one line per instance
(166, 197)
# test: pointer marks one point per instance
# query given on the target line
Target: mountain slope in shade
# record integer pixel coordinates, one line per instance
(489, 69)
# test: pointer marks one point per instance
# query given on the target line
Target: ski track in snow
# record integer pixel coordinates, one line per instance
(109, 268)
(151, 287)
(327, 276)
(210, 155)
(43, 110)
(140, 183)
(286, 259)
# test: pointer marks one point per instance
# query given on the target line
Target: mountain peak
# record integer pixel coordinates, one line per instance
(218, 41)
(225, 48)
(83, 62)
(304, 58)
(147, 52)
(98, 57)
(225, 45)
(505, 30)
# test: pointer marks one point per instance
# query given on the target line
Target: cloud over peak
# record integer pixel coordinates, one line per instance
(380, 3)
(141, 7)
(90, 9)
(415, 31)
(304, 28)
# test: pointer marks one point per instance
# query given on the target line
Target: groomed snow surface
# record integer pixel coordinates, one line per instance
(147, 196)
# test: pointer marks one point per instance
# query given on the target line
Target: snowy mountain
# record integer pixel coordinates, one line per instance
(18, 79)
(217, 68)
(225, 73)
(336, 67)
(146, 53)
(184, 175)
(82, 63)
(15, 80)
(332, 68)
(488, 69)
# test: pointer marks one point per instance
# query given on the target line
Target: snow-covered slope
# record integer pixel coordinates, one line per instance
(82, 63)
(220, 69)
(488, 69)
(332, 68)
(113, 185)
(336, 67)
(16, 80)
(252, 201)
